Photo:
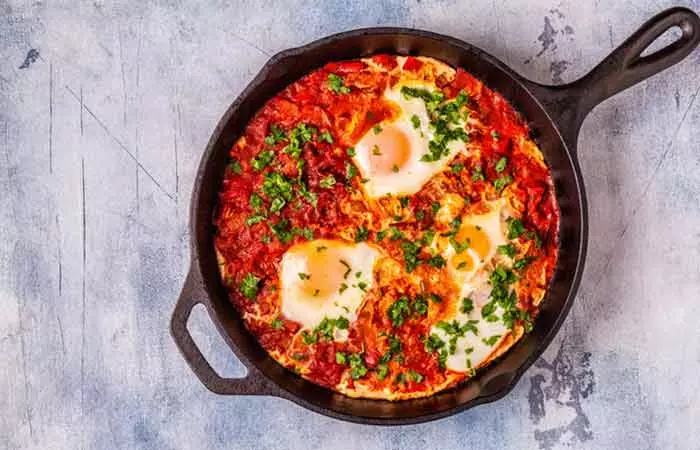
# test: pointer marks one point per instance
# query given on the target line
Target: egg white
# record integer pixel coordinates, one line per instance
(308, 310)
(474, 285)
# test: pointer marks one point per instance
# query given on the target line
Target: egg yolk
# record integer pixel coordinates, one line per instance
(324, 272)
(389, 149)
(478, 241)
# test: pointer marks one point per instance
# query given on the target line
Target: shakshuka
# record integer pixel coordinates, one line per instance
(386, 226)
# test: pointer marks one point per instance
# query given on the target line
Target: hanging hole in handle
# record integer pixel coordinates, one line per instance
(212, 345)
(667, 38)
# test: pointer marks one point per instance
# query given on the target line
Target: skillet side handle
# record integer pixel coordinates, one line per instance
(624, 67)
(254, 383)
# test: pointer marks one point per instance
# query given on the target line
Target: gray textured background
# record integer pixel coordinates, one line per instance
(105, 109)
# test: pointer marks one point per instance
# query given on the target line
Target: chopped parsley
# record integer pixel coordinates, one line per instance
(420, 305)
(491, 340)
(381, 235)
(500, 183)
(276, 135)
(456, 168)
(350, 151)
(410, 255)
(377, 129)
(325, 136)
(348, 269)
(262, 160)
(522, 262)
(235, 166)
(495, 134)
(399, 311)
(336, 84)
(435, 207)
(459, 247)
(326, 329)
(282, 231)
(362, 234)
(249, 286)
(433, 342)
(300, 135)
(350, 171)
(376, 151)
(396, 234)
(382, 371)
(327, 182)
(445, 120)
(536, 237)
(276, 324)
(467, 305)
(436, 261)
(304, 276)
(277, 185)
(434, 297)
(415, 376)
(404, 201)
(255, 201)
(256, 218)
(478, 174)
(415, 120)
(507, 250)
(515, 228)
(501, 164)
(357, 366)
(341, 358)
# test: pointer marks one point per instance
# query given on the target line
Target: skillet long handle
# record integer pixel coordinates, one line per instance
(625, 66)
(254, 383)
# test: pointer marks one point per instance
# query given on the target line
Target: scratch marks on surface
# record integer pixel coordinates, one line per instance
(553, 31)
(60, 257)
(496, 12)
(120, 144)
(82, 107)
(177, 134)
(677, 98)
(83, 303)
(638, 204)
(261, 50)
(123, 76)
(557, 68)
(556, 393)
(136, 124)
(610, 35)
(23, 353)
(32, 56)
(546, 38)
(50, 118)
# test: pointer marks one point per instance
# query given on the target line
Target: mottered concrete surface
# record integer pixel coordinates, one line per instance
(105, 109)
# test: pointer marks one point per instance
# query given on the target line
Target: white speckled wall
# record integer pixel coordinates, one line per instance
(105, 108)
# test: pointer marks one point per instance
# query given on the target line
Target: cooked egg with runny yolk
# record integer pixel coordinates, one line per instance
(474, 243)
(325, 279)
(472, 253)
(389, 155)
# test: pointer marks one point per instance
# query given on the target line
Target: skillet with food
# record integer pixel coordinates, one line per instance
(389, 225)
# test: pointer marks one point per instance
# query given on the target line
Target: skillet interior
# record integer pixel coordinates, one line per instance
(498, 378)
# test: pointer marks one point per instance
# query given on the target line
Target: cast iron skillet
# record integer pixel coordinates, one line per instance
(554, 114)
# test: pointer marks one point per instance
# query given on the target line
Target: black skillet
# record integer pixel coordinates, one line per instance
(555, 115)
